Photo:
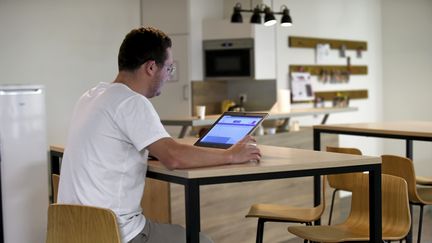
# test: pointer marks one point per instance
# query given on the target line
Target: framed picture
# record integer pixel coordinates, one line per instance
(175, 76)
(301, 86)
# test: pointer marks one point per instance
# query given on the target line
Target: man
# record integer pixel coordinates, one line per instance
(113, 129)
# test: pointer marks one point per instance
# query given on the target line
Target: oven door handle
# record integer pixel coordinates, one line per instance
(185, 92)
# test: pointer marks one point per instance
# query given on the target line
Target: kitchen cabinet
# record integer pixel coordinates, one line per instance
(264, 47)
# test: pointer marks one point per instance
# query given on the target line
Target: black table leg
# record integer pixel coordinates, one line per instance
(55, 162)
(183, 131)
(55, 158)
(192, 205)
(317, 180)
(409, 154)
(317, 195)
(409, 149)
(324, 120)
(375, 206)
(316, 140)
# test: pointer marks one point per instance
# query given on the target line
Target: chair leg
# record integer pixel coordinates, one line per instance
(420, 224)
(331, 205)
(260, 230)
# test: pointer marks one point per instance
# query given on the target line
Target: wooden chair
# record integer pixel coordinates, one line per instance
(84, 224)
(55, 179)
(423, 181)
(285, 213)
(340, 181)
(403, 167)
(396, 218)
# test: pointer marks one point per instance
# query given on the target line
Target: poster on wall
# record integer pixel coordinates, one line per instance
(322, 53)
(301, 86)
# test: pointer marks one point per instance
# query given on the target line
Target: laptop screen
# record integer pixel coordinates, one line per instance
(230, 128)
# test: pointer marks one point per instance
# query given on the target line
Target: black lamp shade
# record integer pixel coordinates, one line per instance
(269, 19)
(286, 20)
(236, 18)
(256, 17)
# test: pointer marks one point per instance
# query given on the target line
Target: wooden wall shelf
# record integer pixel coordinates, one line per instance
(307, 42)
(317, 69)
(352, 94)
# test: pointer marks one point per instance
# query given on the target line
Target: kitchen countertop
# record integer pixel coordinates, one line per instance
(194, 121)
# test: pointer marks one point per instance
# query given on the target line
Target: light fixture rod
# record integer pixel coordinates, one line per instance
(261, 9)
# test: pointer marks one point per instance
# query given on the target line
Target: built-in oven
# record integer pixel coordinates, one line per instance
(229, 59)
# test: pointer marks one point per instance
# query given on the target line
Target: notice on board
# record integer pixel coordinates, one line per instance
(301, 86)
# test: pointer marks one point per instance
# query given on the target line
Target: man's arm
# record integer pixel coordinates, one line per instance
(175, 155)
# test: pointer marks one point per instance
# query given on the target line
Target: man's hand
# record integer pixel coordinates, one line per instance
(245, 150)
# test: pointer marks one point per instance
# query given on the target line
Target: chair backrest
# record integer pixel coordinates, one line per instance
(84, 224)
(344, 150)
(55, 179)
(342, 181)
(402, 167)
(396, 219)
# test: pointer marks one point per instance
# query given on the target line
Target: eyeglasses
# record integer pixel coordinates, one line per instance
(171, 69)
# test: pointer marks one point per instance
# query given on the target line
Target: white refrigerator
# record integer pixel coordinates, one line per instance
(24, 164)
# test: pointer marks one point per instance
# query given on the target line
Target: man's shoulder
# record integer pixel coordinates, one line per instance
(116, 94)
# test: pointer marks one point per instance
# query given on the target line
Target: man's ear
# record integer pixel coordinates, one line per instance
(150, 67)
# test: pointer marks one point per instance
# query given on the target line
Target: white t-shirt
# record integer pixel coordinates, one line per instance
(105, 160)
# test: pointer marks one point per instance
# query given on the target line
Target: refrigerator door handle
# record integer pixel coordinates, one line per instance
(20, 91)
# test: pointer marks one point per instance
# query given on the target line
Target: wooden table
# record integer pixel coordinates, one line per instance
(276, 163)
(404, 130)
(186, 122)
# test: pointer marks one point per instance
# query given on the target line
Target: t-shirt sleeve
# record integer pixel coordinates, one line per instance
(139, 122)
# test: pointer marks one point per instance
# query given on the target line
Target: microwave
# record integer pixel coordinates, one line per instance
(229, 59)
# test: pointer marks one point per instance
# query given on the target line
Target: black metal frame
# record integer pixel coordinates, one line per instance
(192, 193)
(408, 146)
(262, 221)
(55, 158)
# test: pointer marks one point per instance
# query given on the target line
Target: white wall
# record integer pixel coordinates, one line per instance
(68, 46)
(334, 19)
(407, 63)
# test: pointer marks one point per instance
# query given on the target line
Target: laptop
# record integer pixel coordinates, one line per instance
(230, 128)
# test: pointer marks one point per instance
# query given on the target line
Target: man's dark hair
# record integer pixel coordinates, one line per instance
(141, 45)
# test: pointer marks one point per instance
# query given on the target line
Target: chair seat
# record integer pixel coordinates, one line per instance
(425, 195)
(424, 181)
(326, 233)
(285, 213)
(341, 233)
